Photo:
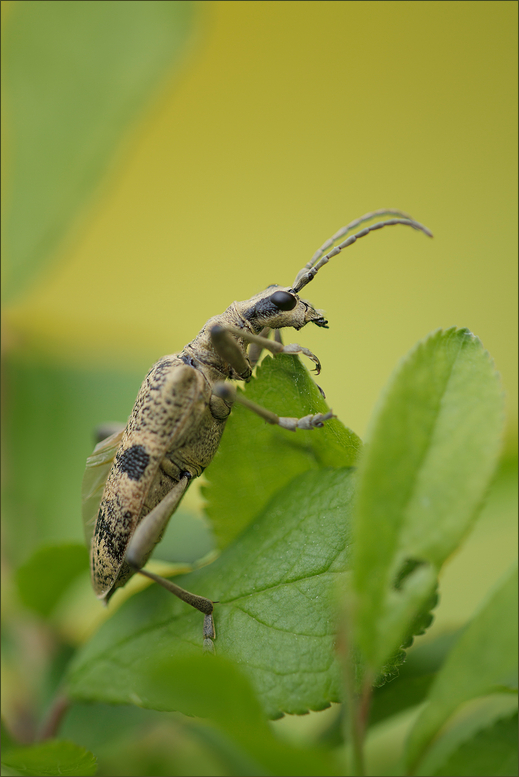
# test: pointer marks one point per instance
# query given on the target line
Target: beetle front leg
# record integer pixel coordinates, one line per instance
(315, 421)
(146, 536)
(228, 348)
(255, 350)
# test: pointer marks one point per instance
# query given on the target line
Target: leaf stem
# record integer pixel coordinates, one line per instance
(358, 721)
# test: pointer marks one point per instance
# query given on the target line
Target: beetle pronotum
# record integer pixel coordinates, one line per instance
(136, 478)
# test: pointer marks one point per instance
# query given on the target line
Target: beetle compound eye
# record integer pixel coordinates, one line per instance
(283, 300)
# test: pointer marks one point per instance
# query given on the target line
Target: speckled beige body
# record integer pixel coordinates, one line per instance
(179, 416)
(175, 427)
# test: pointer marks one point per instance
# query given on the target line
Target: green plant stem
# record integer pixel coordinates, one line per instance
(357, 710)
(359, 705)
(52, 722)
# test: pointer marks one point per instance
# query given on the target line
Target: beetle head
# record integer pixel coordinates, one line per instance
(278, 307)
(281, 306)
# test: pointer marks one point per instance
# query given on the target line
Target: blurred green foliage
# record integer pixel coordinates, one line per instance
(86, 74)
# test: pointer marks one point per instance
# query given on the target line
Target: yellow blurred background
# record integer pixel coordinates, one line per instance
(285, 121)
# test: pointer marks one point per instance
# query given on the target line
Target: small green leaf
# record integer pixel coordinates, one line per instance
(53, 757)
(48, 573)
(75, 76)
(414, 679)
(255, 459)
(483, 661)
(490, 751)
(433, 448)
(275, 615)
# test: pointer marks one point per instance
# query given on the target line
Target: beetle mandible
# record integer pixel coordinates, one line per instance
(178, 419)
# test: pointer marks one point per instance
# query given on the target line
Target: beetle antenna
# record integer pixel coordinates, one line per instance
(311, 269)
(353, 225)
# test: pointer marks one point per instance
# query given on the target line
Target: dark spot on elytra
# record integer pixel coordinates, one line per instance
(114, 545)
(134, 461)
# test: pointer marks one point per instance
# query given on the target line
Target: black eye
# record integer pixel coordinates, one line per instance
(283, 300)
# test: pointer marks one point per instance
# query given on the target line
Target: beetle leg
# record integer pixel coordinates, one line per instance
(205, 606)
(229, 349)
(146, 536)
(228, 393)
(152, 526)
(255, 349)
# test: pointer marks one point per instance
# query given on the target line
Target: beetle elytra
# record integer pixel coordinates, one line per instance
(136, 478)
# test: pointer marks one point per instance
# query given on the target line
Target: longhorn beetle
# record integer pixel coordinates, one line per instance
(178, 419)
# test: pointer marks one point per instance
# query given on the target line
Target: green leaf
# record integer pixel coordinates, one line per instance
(433, 448)
(76, 75)
(275, 616)
(43, 579)
(212, 687)
(490, 751)
(53, 757)
(256, 459)
(7, 740)
(414, 679)
(483, 661)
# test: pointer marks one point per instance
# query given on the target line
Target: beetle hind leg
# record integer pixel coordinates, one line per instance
(145, 538)
(200, 603)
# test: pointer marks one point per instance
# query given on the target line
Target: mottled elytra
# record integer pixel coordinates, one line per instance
(136, 477)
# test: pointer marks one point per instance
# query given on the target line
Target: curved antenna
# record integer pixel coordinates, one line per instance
(309, 271)
(353, 225)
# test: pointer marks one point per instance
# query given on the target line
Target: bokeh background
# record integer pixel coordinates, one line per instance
(162, 159)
